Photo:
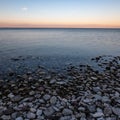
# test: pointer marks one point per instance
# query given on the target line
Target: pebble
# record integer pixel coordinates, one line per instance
(97, 114)
(39, 112)
(53, 100)
(49, 111)
(19, 118)
(46, 97)
(67, 112)
(116, 110)
(30, 115)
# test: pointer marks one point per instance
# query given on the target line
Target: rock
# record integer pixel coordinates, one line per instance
(46, 97)
(101, 118)
(30, 115)
(61, 83)
(10, 95)
(52, 81)
(5, 117)
(93, 78)
(9, 111)
(39, 112)
(91, 108)
(65, 118)
(97, 97)
(16, 98)
(67, 112)
(82, 109)
(49, 111)
(105, 99)
(53, 100)
(14, 115)
(83, 118)
(19, 118)
(116, 111)
(97, 114)
(31, 93)
(96, 89)
(87, 100)
(33, 110)
(107, 111)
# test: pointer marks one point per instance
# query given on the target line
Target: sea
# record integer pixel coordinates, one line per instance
(55, 47)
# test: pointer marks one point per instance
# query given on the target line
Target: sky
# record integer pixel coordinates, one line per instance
(60, 13)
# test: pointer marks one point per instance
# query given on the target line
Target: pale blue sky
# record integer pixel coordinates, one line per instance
(60, 12)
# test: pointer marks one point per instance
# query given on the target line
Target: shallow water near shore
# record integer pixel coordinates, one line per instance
(56, 47)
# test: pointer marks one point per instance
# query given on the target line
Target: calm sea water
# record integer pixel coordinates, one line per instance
(58, 46)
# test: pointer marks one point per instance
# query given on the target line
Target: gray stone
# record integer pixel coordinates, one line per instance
(16, 98)
(49, 111)
(91, 108)
(31, 93)
(67, 112)
(107, 111)
(96, 89)
(30, 115)
(10, 95)
(101, 118)
(19, 118)
(46, 97)
(5, 117)
(82, 109)
(39, 112)
(116, 111)
(52, 81)
(53, 100)
(65, 118)
(97, 114)
(87, 100)
(105, 99)
(14, 115)
(32, 109)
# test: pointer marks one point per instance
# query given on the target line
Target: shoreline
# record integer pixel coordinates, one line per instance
(78, 92)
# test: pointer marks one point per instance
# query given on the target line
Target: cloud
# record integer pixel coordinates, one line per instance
(24, 8)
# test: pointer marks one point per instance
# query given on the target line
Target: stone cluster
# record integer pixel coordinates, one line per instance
(79, 93)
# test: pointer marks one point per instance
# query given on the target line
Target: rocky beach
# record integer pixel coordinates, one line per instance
(76, 93)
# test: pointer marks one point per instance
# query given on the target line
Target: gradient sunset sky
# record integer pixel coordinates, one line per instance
(60, 13)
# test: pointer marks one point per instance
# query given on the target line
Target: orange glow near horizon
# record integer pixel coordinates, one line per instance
(45, 24)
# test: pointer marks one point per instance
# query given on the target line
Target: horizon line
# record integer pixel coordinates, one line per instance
(59, 28)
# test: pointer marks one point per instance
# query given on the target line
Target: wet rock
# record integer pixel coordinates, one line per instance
(53, 100)
(46, 97)
(19, 118)
(31, 93)
(97, 114)
(11, 95)
(65, 118)
(5, 117)
(49, 111)
(82, 109)
(39, 112)
(91, 108)
(8, 111)
(67, 112)
(30, 115)
(107, 111)
(116, 110)
(16, 98)
(52, 81)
